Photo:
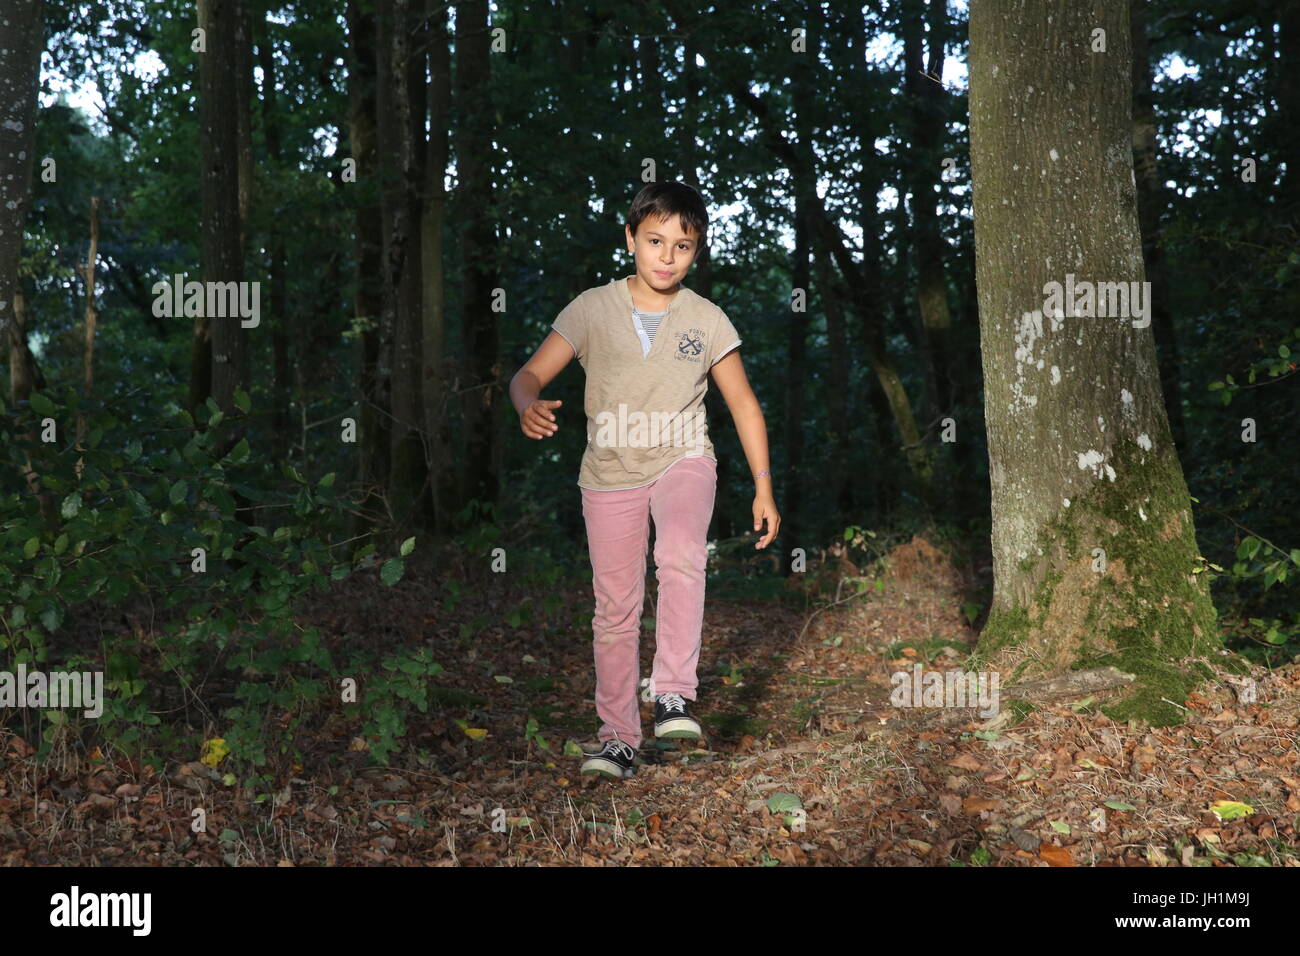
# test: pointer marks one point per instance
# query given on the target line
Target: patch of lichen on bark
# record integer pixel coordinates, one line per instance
(1146, 613)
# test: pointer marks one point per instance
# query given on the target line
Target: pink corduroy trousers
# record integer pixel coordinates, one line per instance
(618, 530)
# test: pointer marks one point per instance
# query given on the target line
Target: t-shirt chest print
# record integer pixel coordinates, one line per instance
(690, 346)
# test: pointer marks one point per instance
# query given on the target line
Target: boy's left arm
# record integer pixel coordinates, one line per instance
(729, 376)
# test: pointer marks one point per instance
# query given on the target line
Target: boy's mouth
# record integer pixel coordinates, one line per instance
(663, 275)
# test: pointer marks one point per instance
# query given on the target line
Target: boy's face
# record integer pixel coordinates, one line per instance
(663, 251)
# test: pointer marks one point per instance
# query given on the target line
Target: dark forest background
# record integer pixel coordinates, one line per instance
(392, 180)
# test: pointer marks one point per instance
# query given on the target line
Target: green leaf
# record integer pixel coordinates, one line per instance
(242, 401)
(783, 803)
(31, 547)
(1060, 827)
(1231, 809)
(392, 571)
(1120, 805)
(239, 453)
(52, 617)
(408, 546)
(41, 405)
(178, 492)
(71, 505)
(1283, 351)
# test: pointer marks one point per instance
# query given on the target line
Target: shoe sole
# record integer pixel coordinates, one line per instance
(677, 729)
(606, 768)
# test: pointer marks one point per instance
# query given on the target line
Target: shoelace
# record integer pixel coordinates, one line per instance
(621, 747)
(673, 702)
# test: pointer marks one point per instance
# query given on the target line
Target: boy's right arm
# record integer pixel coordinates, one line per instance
(536, 419)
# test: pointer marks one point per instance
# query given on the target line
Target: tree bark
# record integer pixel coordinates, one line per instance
(222, 251)
(398, 148)
(1083, 468)
(437, 392)
(87, 270)
(20, 58)
(926, 107)
(375, 361)
(278, 319)
(481, 377)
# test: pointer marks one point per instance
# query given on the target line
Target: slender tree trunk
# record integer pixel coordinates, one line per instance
(222, 251)
(1093, 543)
(479, 269)
(1151, 203)
(244, 98)
(885, 490)
(20, 58)
(375, 368)
(91, 322)
(437, 393)
(926, 110)
(278, 319)
(398, 147)
(804, 187)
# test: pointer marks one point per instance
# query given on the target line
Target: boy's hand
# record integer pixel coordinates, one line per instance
(537, 421)
(765, 507)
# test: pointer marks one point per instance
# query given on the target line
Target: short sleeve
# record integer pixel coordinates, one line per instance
(572, 324)
(725, 338)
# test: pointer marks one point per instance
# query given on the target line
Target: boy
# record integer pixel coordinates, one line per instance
(648, 344)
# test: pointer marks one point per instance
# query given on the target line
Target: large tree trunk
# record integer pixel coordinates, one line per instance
(375, 368)
(1082, 464)
(222, 252)
(1151, 202)
(482, 454)
(437, 391)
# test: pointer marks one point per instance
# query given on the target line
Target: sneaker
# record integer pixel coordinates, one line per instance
(672, 718)
(614, 759)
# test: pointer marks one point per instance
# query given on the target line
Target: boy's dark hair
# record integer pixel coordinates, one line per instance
(667, 199)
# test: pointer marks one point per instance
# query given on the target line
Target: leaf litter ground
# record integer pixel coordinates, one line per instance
(806, 762)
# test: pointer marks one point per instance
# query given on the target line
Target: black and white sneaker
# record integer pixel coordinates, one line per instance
(672, 718)
(614, 759)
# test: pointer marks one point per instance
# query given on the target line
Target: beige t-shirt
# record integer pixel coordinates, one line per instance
(644, 412)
